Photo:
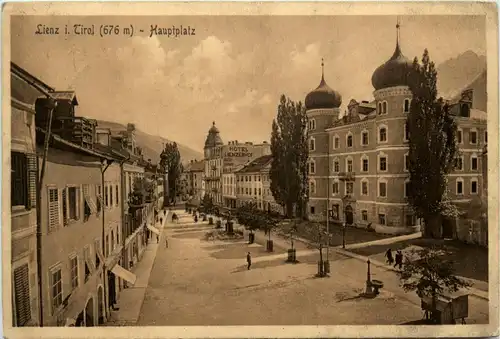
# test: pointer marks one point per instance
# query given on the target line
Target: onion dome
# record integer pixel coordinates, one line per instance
(323, 96)
(394, 72)
(213, 137)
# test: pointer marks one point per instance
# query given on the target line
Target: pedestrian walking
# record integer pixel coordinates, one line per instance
(161, 221)
(249, 261)
(157, 238)
(389, 257)
(399, 259)
(166, 243)
(164, 212)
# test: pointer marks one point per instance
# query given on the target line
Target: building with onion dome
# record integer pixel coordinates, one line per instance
(222, 160)
(357, 163)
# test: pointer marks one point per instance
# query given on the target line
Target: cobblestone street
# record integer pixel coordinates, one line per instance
(199, 282)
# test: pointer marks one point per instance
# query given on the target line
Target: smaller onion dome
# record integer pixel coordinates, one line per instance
(213, 137)
(323, 96)
(394, 72)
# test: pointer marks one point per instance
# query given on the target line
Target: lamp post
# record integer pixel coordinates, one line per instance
(368, 279)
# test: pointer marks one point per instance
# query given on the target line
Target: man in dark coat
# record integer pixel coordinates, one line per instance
(249, 260)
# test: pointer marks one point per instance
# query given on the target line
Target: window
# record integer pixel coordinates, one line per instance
(407, 133)
(473, 186)
(364, 215)
(349, 188)
(406, 108)
(312, 167)
(382, 107)
(364, 163)
(364, 187)
(382, 189)
(364, 138)
(383, 163)
(117, 195)
(22, 295)
(312, 209)
(459, 136)
(74, 203)
(336, 142)
(407, 188)
(312, 187)
(53, 208)
(349, 141)
(407, 162)
(312, 144)
(312, 124)
(459, 163)
(64, 197)
(410, 219)
(473, 163)
(381, 219)
(335, 188)
(473, 137)
(382, 134)
(349, 165)
(485, 137)
(106, 196)
(260, 191)
(73, 264)
(56, 289)
(110, 196)
(19, 179)
(336, 166)
(254, 191)
(460, 186)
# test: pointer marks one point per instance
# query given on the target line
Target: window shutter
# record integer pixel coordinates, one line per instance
(65, 206)
(78, 203)
(22, 295)
(32, 165)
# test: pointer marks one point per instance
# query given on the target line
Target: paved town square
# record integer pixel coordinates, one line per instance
(199, 282)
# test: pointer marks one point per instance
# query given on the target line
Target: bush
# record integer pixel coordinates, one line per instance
(222, 235)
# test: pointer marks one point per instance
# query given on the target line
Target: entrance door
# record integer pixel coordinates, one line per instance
(447, 228)
(349, 215)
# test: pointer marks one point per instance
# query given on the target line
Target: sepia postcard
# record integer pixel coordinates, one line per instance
(241, 170)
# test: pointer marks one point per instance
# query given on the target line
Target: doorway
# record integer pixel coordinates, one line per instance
(349, 215)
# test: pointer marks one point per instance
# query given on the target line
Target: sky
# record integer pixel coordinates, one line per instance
(232, 71)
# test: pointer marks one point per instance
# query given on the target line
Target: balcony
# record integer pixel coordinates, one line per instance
(347, 176)
(77, 130)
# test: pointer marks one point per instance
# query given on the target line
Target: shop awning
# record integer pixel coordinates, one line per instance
(114, 257)
(154, 230)
(124, 274)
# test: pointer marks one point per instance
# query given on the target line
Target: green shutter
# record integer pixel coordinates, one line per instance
(22, 295)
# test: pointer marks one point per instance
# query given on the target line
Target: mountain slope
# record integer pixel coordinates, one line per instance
(456, 74)
(151, 144)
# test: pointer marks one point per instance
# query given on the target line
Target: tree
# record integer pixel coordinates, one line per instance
(433, 148)
(269, 223)
(290, 229)
(207, 204)
(320, 238)
(290, 151)
(170, 162)
(429, 272)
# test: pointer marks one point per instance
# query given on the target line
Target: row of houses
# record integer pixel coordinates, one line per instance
(82, 198)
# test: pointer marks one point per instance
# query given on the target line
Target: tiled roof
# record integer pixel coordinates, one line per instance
(197, 166)
(257, 164)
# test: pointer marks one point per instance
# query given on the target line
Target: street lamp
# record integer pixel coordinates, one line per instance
(368, 279)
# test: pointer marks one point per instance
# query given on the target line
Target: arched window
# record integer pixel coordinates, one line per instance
(406, 106)
(312, 167)
(406, 136)
(312, 144)
(312, 187)
(349, 164)
(349, 140)
(384, 107)
(364, 187)
(460, 186)
(382, 188)
(336, 142)
(336, 165)
(383, 162)
(335, 187)
(365, 164)
(364, 138)
(382, 134)
(380, 108)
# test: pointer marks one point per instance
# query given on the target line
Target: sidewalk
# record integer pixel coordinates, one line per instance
(130, 299)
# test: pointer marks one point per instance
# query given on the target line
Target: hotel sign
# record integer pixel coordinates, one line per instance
(237, 152)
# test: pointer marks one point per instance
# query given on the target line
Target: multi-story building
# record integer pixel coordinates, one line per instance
(220, 158)
(195, 171)
(250, 182)
(25, 90)
(357, 166)
(229, 188)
